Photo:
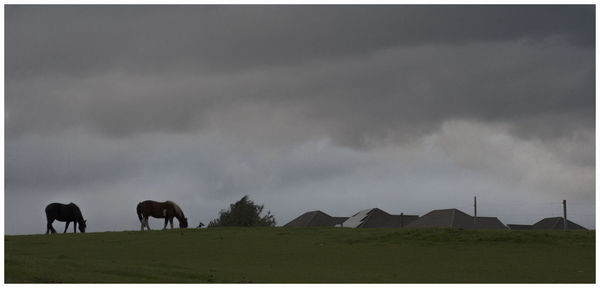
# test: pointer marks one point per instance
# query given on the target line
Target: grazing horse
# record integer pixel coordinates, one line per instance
(166, 210)
(65, 213)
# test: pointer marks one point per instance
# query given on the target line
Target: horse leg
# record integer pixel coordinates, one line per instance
(52, 228)
(49, 226)
(67, 226)
(146, 221)
(166, 220)
(75, 227)
(171, 222)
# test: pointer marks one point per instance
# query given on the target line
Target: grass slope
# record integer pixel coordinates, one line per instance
(303, 255)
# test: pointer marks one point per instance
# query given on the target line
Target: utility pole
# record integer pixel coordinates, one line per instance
(475, 204)
(565, 215)
(401, 219)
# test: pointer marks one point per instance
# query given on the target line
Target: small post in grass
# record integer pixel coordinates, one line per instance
(565, 215)
(475, 205)
(401, 219)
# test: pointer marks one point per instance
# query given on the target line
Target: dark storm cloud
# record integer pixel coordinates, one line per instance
(390, 95)
(301, 107)
(79, 40)
(122, 70)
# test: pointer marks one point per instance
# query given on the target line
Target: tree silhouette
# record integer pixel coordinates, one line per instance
(243, 213)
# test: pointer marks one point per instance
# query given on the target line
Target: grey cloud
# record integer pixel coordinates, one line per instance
(207, 172)
(77, 40)
(579, 149)
(338, 108)
(541, 89)
(36, 163)
(519, 163)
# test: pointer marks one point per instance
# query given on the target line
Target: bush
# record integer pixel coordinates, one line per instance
(243, 213)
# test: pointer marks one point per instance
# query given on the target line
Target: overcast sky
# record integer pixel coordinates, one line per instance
(331, 108)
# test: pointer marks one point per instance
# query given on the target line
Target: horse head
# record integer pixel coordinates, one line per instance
(82, 225)
(183, 223)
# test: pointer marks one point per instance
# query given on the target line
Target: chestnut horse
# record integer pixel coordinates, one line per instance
(166, 210)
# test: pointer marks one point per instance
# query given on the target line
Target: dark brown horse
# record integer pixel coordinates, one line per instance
(166, 210)
(66, 213)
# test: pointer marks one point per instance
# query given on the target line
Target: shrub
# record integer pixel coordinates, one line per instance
(243, 213)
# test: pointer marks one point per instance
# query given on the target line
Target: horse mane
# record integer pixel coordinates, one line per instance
(177, 209)
(78, 214)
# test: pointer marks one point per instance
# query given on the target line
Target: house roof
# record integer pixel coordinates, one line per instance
(315, 218)
(404, 220)
(356, 219)
(377, 218)
(489, 223)
(338, 220)
(454, 218)
(444, 218)
(556, 223)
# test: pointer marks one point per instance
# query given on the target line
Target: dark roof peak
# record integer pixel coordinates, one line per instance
(556, 223)
(454, 218)
(315, 218)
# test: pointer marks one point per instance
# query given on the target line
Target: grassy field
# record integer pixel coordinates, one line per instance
(303, 255)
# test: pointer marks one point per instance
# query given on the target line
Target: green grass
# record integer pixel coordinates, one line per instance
(303, 255)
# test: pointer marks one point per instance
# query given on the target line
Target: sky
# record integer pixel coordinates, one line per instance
(333, 108)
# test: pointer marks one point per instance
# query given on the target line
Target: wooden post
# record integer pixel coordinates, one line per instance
(565, 215)
(475, 204)
(401, 219)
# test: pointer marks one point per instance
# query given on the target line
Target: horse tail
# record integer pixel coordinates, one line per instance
(139, 211)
